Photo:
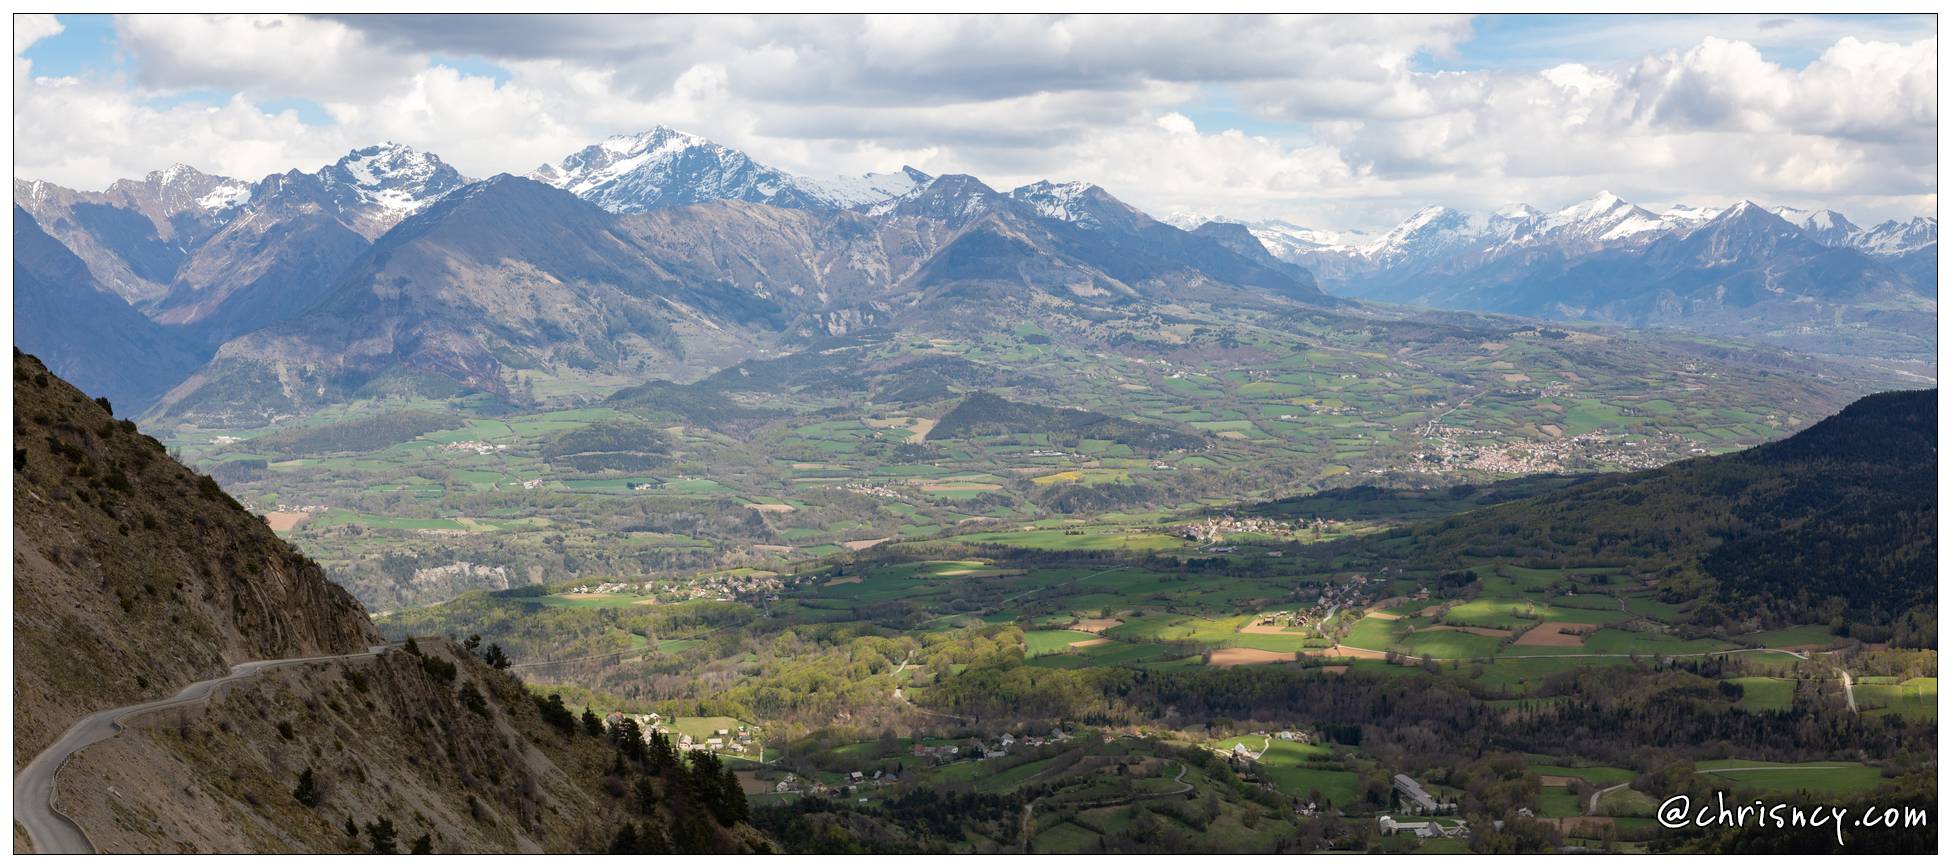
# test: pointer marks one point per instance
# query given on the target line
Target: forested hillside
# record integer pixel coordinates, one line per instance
(1835, 524)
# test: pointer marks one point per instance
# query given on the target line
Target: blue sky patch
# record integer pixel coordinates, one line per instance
(473, 66)
(86, 45)
(309, 112)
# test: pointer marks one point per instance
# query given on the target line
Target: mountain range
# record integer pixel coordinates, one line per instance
(388, 270)
(216, 257)
(1808, 279)
(665, 168)
(665, 253)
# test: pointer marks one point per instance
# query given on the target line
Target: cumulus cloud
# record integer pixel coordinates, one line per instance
(32, 27)
(260, 55)
(1343, 120)
(70, 131)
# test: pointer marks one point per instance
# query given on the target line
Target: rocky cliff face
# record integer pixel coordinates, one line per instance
(134, 576)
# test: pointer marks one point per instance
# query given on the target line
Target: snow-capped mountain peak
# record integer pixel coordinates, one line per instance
(181, 188)
(1440, 236)
(1424, 216)
(226, 196)
(663, 168)
(1433, 231)
(1190, 220)
(954, 198)
(1601, 219)
(1291, 242)
(1896, 238)
(1684, 217)
(1746, 210)
(611, 163)
(1320, 238)
(1825, 226)
(657, 139)
(869, 189)
(1604, 202)
(1077, 202)
(1753, 217)
(397, 179)
(170, 175)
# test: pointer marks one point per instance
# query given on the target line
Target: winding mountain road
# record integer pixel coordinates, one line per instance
(51, 831)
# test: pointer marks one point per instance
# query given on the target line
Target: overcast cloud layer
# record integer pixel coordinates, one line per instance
(1337, 122)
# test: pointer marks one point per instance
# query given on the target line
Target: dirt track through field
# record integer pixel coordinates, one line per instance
(1560, 634)
(1229, 657)
(1474, 631)
(1346, 651)
(284, 521)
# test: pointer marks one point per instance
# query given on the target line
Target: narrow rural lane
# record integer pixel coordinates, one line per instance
(1070, 584)
(1429, 428)
(1799, 768)
(1266, 742)
(1592, 810)
(52, 831)
(910, 703)
(1849, 689)
(1796, 654)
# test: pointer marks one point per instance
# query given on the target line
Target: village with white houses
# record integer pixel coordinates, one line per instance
(1216, 529)
(1411, 809)
(1410, 797)
(477, 447)
(1449, 449)
(738, 740)
(1352, 596)
(1240, 751)
(934, 752)
(744, 585)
